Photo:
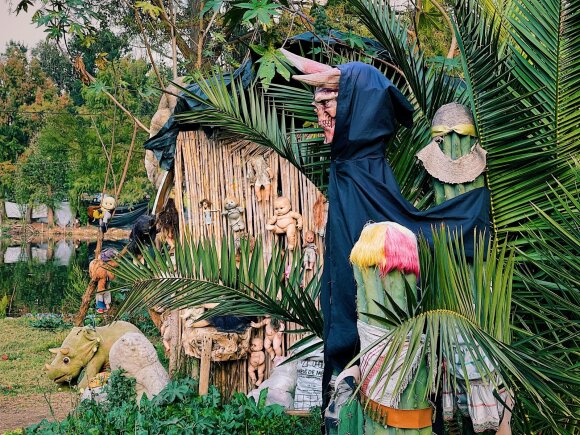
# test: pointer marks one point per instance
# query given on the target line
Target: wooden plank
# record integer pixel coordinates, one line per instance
(204, 365)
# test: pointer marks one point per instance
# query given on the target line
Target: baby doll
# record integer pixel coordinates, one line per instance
(272, 335)
(260, 176)
(205, 205)
(234, 215)
(104, 212)
(256, 362)
(310, 251)
(285, 221)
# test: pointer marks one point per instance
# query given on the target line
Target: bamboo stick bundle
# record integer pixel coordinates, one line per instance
(385, 260)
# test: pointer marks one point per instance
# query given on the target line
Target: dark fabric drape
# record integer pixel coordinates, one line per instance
(362, 188)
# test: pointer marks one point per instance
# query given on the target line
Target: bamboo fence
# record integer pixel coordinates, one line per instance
(214, 169)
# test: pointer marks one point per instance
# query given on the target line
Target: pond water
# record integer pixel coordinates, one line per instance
(45, 276)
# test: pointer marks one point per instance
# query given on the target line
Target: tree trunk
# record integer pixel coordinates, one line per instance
(28, 214)
(50, 216)
(89, 292)
(2, 211)
(85, 303)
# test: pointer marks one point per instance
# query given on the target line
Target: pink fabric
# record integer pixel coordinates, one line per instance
(401, 252)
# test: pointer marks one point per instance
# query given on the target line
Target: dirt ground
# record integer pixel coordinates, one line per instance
(17, 412)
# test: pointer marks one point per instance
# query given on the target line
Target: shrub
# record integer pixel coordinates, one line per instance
(178, 409)
(51, 322)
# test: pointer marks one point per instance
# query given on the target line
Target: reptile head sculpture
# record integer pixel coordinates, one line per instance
(326, 80)
(86, 348)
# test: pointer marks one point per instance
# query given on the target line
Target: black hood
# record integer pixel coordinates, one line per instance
(369, 109)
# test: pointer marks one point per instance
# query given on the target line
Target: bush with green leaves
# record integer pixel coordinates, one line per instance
(48, 322)
(178, 409)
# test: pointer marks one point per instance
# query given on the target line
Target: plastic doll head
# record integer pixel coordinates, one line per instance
(282, 206)
(108, 203)
(205, 203)
(257, 345)
(230, 203)
(309, 237)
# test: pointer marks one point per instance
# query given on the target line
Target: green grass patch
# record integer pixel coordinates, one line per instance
(26, 350)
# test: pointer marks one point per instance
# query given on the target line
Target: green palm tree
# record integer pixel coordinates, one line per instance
(521, 66)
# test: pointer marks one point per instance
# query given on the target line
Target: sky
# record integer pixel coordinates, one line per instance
(17, 27)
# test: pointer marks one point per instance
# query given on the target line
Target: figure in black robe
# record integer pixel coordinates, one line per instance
(362, 188)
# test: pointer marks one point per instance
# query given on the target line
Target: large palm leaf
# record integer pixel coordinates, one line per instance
(202, 272)
(252, 115)
(513, 121)
(460, 314)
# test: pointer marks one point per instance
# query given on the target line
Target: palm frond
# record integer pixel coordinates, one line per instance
(512, 122)
(464, 311)
(253, 115)
(428, 88)
(203, 273)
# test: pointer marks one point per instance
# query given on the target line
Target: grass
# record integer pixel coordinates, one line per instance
(27, 350)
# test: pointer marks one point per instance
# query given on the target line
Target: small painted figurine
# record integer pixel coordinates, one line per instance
(310, 251)
(285, 221)
(205, 205)
(260, 176)
(233, 212)
(256, 362)
(273, 335)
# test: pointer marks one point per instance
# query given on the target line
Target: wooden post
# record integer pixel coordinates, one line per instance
(205, 364)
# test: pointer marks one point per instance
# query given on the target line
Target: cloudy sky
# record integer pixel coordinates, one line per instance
(17, 27)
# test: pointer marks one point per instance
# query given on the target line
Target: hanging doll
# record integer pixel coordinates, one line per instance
(233, 212)
(285, 221)
(310, 251)
(168, 223)
(260, 176)
(273, 335)
(103, 213)
(256, 362)
(320, 212)
(101, 273)
(205, 205)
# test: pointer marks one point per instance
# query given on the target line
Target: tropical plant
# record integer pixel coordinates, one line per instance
(177, 409)
(520, 66)
(204, 272)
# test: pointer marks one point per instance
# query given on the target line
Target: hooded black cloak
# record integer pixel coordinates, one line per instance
(362, 188)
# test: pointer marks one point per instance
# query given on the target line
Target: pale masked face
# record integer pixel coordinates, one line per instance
(325, 108)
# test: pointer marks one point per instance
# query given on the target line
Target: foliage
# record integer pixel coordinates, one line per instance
(178, 409)
(201, 275)
(48, 322)
(3, 306)
(78, 280)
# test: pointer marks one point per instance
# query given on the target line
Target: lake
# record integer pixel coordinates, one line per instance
(45, 276)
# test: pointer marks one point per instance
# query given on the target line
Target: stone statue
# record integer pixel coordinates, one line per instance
(285, 221)
(138, 358)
